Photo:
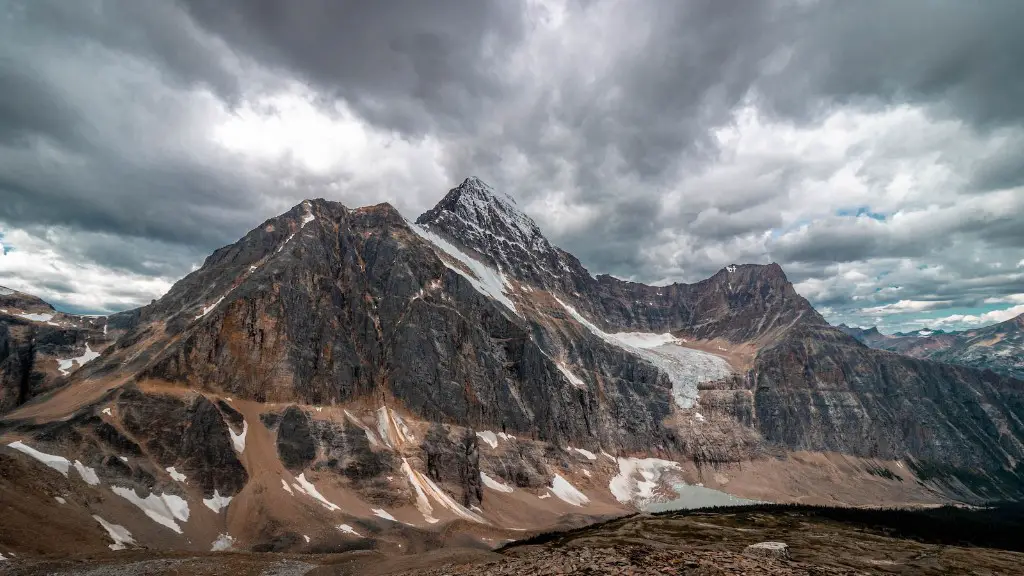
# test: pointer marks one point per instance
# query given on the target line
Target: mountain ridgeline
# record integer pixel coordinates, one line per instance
(363, 348)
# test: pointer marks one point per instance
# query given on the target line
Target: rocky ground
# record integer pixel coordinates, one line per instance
(818, 541)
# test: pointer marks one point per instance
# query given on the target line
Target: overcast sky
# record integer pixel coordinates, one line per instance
(875, 149)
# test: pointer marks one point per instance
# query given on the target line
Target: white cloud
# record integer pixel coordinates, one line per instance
(985, 319)
(904, 306)
(34, 265)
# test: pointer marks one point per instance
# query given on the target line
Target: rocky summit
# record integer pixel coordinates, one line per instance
(348, 379)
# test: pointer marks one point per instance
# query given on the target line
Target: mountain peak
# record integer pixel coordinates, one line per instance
(488, 222)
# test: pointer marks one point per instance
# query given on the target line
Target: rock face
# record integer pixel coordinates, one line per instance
(999, 347)
(188, 434)
(40, 347)
(295, 444)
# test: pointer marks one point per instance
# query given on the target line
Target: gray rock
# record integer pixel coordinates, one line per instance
(775, 550)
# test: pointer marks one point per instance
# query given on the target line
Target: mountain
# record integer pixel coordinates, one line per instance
(999, 347)
(343, 378)
(40, 347)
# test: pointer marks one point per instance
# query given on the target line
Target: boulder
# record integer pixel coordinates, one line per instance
(777, 550)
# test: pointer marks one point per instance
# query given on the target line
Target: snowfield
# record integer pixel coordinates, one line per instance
(494, 484)
(486, 280)
(119, 534)
(307, 488)
(566, 492)
(217, 502)
(65, 366)
(164, 509)
(685, 367)
(238, 440)
(638, 478)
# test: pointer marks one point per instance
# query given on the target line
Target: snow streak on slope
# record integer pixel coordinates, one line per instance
(490, 437)
(58, 463)
(65, 366)
(427, 490)
(567, 492)
(208, 309)
(494, 484)
(238, 440)
(217, 502)
(119, 534)
(685, 367)
(482, 277)
(163, 509)
(310, 490)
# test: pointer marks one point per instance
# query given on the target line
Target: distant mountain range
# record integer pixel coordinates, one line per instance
(999, 347)
(347, 378)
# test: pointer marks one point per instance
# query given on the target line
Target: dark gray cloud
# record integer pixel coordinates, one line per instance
(656, 140)
(405, 64)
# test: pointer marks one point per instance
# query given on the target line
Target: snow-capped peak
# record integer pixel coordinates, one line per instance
(479, 206)
(491, 224)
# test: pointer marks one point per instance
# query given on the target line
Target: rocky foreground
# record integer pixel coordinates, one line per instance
(778, 540)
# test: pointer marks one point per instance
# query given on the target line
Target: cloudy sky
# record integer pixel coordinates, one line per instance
(872, 148)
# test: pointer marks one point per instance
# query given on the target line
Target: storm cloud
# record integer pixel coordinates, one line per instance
(871, 148)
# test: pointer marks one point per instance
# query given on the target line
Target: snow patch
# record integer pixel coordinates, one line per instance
(286, 487)
(483, 278)
(566, 492)
(348, 530)
(119, 534)
(107, 412)
(506, 437)
(586, 473)
(586, 453)
(494, 484)
(65, 366)
(427, 490)
(209, 308)
(422, 502)
(175, 475)
(490, 437)
(608, 456)
(37, 317)
(164, 509)
(572, 378)
(222, 543)
(638, 478)
(698, 417)
(310, 490)
(685, 367)
(308, 216)
(217, 502)
(87, 474)
(543, 496)
(370, 436)
(60, 500)
(383, 514)
(306, 538)
(392, 429)
(58, 463)
(238, 440)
